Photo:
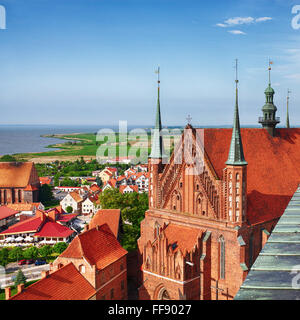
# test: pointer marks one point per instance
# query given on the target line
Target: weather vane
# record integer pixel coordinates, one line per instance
(189, 119)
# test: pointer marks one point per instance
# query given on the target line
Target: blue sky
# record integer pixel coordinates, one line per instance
(93, 61)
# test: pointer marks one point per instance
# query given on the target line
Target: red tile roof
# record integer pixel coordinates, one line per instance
(134, 188)
(55, 230)
(110, 216)
(184, 237)
(66, 217)
(29, 225)
(29, 187)
(6, 212)
(95, 188)
(45, 180)
(76, 196)
(66, 283)
(43, 223)
(98, 246)
(273, 171)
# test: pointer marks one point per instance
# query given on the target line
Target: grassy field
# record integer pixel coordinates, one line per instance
(86, 145)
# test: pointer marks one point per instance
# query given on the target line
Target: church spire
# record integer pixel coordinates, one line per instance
(287, 109)
(157, 149)
(236, 152)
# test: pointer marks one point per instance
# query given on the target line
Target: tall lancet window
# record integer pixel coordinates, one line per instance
(222, 257)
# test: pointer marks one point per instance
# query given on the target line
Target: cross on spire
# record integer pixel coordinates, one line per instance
(270, 68)
(189, 119)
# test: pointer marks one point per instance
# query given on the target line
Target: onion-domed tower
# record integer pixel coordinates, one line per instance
(269, 119)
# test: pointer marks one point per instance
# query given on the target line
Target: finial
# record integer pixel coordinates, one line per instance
(236, 71)
(158, 75)
(270, 68)
(287, 109)
(189, 119)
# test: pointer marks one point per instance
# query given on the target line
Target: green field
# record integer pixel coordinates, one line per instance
(86, 145)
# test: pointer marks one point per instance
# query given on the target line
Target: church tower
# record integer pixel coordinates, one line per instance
(157, 156)
(236, 171)
(269, 119)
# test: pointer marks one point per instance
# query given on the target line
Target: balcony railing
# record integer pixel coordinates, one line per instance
(263, 120)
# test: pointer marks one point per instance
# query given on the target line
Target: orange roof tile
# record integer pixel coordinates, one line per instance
(98, 246)
(21, 206)
(185, 237)
(110, 216)
(6, 212)
(134, 188)
(15, 174)
(76, 196)
(66, 283)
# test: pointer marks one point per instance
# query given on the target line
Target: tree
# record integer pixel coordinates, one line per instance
(15, 254)
(31, 253)
(60, 247)
(69, 209)
(20, 278)
(46, 195)
(4, 257)
(8, 158)
(133, 207)
(45, 251)
(99, 182)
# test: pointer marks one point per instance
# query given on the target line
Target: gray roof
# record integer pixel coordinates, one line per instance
(276, 270)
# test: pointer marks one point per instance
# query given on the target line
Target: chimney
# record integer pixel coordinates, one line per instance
(45, 274)
(86, 227)
(7, 293)
(21, 287)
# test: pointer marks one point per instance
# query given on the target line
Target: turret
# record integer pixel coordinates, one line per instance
(269, 119)
(236, 172)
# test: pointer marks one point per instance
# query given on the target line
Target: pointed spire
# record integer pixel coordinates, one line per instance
(236, 152)
(287, 110)
(157, 149)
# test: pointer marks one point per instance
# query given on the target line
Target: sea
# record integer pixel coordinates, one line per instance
(29, 138)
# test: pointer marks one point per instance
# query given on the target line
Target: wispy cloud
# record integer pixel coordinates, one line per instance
(237, 32)
(239, 20)
(263, 19)
(242, 20)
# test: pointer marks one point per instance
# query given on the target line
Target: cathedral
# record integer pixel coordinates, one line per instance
(207, 223)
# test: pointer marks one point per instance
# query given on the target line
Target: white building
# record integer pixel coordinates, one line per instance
(74, 200)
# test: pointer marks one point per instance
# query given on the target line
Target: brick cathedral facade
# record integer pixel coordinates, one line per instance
(205, 227)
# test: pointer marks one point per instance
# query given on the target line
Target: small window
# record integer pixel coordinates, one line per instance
(122, 267)
(82, 269)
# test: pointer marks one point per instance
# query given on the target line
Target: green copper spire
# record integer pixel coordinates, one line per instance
(236, 152)
(287, 110)
(269, 119)
(157, 149)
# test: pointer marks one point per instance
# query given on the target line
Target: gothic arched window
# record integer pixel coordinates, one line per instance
(156, 230)
(222, 257)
